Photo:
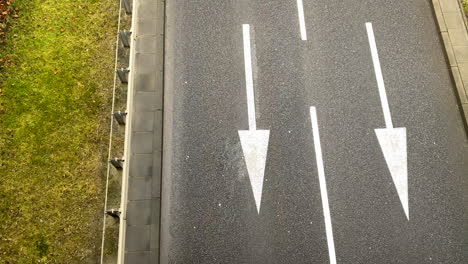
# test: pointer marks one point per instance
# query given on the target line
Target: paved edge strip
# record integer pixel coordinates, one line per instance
(453, 29)
(169, 80)
(140, 203)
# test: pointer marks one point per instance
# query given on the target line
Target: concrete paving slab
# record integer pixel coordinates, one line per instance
(458, 37)
(155, 255)
(144, 122)
(459, 84)
(146, 8)
(145, 62)
(142, 143)
(139, 188)
(146, 26)
(463, 67)
(147, 2)
(146, 44)
(157, 140)
(158, 101)
(158, 119)
(146, 82)
(146, 102)
(139, 212)
(453, 20)
(461, 53)
(450, 53)
(141, 165)
(137, 238)
(139, 257)
(449, 5)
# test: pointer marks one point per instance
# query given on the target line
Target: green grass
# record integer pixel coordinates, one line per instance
(55, 82)
(465, 6)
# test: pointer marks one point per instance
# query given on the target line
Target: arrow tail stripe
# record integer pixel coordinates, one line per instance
(379, 76)
(249, 77)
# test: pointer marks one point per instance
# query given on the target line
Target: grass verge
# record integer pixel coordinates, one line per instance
(56, 77)
(465, 6)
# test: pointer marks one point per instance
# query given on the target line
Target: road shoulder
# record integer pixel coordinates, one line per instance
(453, 30)
(140, 218)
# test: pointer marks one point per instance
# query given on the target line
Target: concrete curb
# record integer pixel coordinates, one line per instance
(126, 152)
(141, 180)
(453, 29)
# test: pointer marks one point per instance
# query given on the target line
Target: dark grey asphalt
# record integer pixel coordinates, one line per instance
(208, 209)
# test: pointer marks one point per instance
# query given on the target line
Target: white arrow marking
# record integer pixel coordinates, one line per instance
(393, 144)
(255, 145)
(392, 140)
(323, 185)
(254, 142)
(302, 27)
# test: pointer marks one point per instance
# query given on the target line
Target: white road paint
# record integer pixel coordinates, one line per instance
(254, 142)
(249, 77)
(393, 144)
(255, 145)
(323, 185)
(300, 10)
(379, 76)
(392, 140)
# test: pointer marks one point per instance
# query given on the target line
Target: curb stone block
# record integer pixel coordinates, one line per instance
(449, 49)
(459, 84)
(463, 69)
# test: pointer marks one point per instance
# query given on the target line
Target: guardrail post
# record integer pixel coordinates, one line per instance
(120, 117)
(113, 212)
(117, 163)
(124, 38)
(126, 5)
(122, 73)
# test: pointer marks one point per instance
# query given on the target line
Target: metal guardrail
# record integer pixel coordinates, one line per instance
(127, 142)
(122, 118)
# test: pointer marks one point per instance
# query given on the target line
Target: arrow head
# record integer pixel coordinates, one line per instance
(255, 145)
(393, 144)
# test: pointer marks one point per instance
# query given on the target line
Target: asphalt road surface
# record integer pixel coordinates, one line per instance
(286, 194)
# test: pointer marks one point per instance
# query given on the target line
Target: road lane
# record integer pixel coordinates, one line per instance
(369, 226)
(209, 212)
(254, 142)
(323, 185)
(392, 140)
(208, 87)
